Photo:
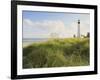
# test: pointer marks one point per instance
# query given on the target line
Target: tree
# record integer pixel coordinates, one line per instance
(74, 35)
(53, 35)
(88, 34)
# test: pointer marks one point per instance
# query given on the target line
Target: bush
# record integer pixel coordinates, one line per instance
(57, 53)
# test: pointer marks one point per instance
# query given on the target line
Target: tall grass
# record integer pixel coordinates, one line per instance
(57, 53)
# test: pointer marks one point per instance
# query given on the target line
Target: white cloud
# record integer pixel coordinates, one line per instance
(44, 28)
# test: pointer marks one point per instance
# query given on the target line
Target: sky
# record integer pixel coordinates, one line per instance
(62, 24)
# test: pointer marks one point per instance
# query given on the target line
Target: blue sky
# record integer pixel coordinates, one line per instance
(42, 24)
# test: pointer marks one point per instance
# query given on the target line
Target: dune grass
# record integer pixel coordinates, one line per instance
(57, 53)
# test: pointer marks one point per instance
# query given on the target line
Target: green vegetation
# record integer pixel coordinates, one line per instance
(57, 53)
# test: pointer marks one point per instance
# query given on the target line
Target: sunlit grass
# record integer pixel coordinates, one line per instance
(57, 53)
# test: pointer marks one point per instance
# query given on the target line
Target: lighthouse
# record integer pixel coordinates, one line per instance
(78, 29)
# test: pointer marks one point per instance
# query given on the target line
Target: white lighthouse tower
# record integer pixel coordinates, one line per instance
(78, 29)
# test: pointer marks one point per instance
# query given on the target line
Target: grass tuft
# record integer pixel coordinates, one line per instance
(57, 53)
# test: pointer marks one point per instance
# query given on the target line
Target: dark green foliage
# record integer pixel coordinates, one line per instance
(57, 53)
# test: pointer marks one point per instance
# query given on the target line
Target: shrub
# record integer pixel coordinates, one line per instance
(57, 53)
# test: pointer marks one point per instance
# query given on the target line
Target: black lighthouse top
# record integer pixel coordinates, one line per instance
(78, 21)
